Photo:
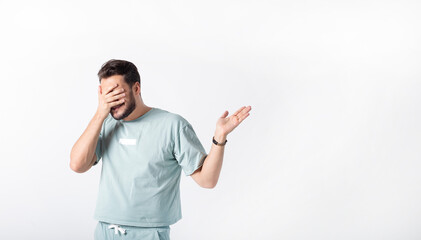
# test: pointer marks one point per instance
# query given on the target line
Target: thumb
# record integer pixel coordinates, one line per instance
(225, 114)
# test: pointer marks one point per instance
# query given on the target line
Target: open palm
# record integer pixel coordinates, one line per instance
(226, 124)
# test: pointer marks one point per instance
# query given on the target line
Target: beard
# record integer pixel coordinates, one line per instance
(125, 109)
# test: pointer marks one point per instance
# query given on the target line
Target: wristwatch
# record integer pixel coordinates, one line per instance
(217, 143)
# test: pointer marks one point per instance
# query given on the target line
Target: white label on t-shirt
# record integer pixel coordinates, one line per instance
(127, 141)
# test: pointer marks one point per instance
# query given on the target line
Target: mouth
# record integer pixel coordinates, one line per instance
(116, 107)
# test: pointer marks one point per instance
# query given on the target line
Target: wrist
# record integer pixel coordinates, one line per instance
(220, 137)
(100, 116)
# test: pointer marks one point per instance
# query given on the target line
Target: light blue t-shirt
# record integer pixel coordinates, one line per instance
(141, 167)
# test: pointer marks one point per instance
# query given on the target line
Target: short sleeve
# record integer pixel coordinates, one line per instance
(188, 150)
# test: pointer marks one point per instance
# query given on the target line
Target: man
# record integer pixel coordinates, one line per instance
(143, 150)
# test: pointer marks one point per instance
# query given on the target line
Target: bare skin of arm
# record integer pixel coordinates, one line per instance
(207, 176)
(82, 155)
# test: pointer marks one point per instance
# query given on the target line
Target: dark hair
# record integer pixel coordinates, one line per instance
(120, 67)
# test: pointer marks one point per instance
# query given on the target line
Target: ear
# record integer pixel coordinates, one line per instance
(137, 87)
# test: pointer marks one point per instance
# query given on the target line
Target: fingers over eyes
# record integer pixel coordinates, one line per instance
(111, 88)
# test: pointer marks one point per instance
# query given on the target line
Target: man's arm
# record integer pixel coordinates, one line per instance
(83, 156)
(207, 176)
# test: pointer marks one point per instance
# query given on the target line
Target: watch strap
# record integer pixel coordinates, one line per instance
(217, 143)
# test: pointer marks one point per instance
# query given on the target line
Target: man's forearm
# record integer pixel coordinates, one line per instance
(84, 149)
(211, 168)
(207, 176)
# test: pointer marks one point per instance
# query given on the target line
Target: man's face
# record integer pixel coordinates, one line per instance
(125, 109)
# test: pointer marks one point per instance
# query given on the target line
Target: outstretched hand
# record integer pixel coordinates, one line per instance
(225, 124)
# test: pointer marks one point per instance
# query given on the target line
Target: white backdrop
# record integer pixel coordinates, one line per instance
(331, 149)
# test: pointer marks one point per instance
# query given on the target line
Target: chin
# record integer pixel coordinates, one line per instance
(117, 116)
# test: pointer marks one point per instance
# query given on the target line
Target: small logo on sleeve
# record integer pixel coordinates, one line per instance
(127, 141)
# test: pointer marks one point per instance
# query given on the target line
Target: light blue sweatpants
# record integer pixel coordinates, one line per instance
(108, 231)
